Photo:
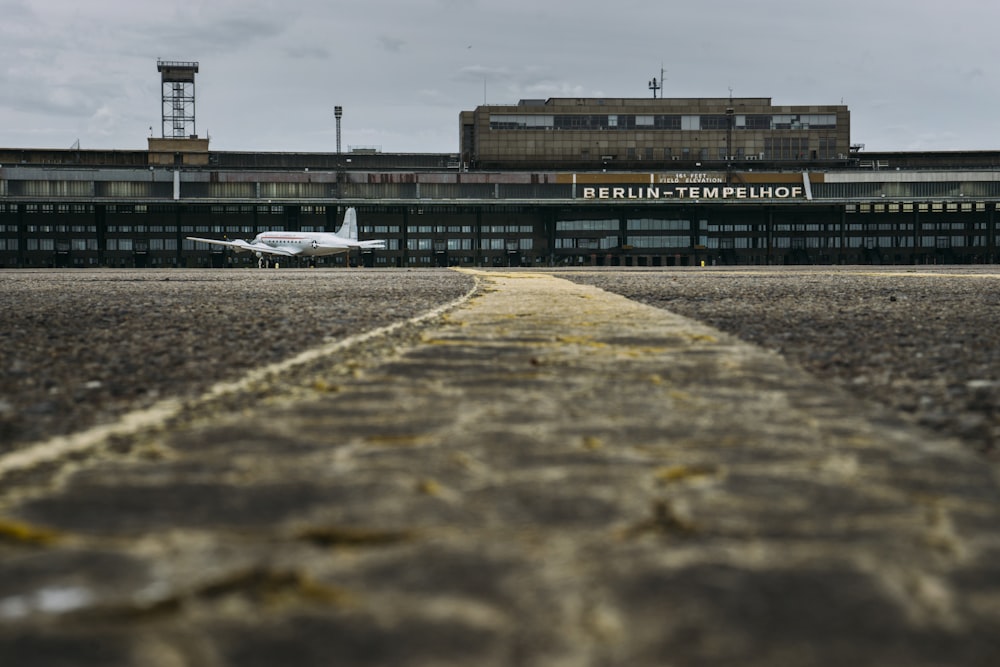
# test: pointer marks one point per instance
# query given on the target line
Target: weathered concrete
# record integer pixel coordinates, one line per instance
(922, 341)
(549, 475)
(79, 348)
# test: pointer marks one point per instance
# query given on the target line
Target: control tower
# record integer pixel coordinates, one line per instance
(179, 145)
(177, 83)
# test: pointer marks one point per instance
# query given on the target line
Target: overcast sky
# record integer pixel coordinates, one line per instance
(916, 74)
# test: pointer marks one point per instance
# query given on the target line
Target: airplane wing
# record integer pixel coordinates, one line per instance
(243, 246)
(330, 248)
(344, 246)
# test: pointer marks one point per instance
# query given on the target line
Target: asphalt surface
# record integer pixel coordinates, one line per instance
(84, 347)
(924, 341)
(80, 348)
(538, 472)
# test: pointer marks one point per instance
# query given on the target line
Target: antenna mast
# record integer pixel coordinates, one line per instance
(730, 122)
(654, 85)
(338, 113)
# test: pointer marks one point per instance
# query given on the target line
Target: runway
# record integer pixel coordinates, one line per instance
(538, 472)
(82, 348)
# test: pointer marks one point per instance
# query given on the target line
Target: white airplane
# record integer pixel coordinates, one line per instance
(303, 244)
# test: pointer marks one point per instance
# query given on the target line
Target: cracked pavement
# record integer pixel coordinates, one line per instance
(545, 474)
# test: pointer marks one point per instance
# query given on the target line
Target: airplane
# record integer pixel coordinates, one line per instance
(302, 244)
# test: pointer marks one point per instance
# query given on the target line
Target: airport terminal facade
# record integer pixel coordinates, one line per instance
(617, 182)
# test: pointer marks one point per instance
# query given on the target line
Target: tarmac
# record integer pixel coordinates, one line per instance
(536, 473)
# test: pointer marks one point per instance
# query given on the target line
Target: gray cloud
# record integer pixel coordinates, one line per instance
(391, 44)
(318, 52)
(915, 77)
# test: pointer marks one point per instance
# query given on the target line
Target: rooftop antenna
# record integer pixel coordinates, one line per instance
(730, 123)
(338, 113)
(654, 85)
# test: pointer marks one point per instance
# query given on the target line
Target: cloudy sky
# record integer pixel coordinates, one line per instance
(916, 75)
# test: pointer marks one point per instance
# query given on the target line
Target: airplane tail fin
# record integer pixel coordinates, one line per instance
(349, 230)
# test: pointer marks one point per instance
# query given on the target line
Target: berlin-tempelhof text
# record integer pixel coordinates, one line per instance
(690, 192)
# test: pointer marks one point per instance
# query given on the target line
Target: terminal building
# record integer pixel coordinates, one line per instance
(642, 133)
(579, 182)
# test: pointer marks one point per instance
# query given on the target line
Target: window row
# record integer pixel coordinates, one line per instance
(467, 244)
(142, 245)
(666, 242)
(54, 229)
(587, 225)
(690, 122)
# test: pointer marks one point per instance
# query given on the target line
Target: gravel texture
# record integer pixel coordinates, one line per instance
(80, 347)
(547, 474)
(924, 341)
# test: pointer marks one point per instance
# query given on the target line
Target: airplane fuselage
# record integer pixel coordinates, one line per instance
(304, 244)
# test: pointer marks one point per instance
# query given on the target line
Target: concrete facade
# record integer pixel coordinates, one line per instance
(603, 132)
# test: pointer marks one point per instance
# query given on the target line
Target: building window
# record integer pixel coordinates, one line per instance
(587, 225)
(714, 122)
(658, 241)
